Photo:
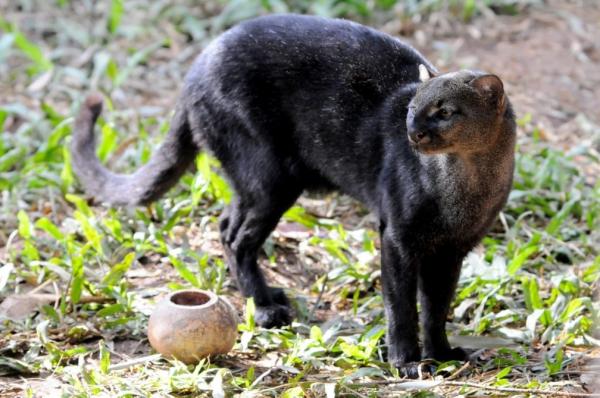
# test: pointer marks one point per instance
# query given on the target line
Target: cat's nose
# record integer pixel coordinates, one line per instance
(415, 135)
(418, 137)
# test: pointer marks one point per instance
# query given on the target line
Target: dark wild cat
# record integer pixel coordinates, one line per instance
(290, 103)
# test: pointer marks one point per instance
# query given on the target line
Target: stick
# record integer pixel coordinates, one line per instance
(133, 362)
(352, 391)
(520, 390)
(95, 299)
(319, 297)
(41, 286)
(48, 297)
(484, 387)
(459, 371)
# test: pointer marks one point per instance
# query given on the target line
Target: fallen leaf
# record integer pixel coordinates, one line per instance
(19, 306)
(292, 230)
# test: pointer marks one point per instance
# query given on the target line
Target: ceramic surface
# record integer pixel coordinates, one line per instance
(193, 324)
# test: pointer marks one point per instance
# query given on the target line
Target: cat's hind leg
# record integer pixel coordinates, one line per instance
(245, 225)
(253, 146)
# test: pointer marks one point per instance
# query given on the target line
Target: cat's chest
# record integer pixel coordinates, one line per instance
(466, 210)
(466, 214)
(468, 197)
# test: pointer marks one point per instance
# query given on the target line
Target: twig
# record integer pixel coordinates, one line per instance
(95, 299)
(319, 297)
(520, 390)
(41, 286)
(133, 362)
(459, 371)
(353, 391)
(577, 372)
(445, 383)
(591, 367)
(121, 149)
(49, 297)
(262, 376)
(278, 387)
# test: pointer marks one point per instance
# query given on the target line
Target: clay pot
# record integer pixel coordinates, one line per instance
(192, 324)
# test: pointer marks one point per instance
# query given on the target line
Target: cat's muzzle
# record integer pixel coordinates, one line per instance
(415, 136)
(419, 137)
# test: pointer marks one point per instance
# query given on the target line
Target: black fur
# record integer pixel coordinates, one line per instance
(289, 103)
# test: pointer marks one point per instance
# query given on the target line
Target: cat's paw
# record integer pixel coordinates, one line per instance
(405, 360)
(414, 370)
(448, 354)
(272, 316)
(278, 296)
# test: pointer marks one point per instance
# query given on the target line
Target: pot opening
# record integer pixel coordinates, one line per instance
(190, 298)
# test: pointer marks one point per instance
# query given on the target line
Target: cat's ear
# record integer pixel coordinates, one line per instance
(424, 73)
(491, 88)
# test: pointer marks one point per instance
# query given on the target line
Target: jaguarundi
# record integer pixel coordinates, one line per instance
(289, 103)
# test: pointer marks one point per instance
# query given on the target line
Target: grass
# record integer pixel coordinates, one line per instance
(525, 294)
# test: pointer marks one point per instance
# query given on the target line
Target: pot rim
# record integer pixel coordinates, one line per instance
(212, 299)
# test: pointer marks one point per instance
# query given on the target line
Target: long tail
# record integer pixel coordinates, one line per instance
(148, 183)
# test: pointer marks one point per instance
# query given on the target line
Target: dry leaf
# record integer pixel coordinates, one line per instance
(19, 306)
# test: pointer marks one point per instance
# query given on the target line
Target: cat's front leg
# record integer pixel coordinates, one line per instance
(399, 281)
(438, 277)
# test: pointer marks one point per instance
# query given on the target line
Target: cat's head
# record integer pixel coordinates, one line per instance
(456, 112)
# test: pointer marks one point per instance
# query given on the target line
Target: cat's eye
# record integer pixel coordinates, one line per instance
(445, 112)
